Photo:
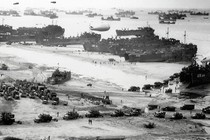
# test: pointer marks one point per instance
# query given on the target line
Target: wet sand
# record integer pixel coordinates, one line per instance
(94, 65)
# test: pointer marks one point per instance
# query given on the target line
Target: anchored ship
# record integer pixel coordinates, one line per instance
(75, 13)
(125, 13)
(199, 13)
(166, 19)
(111, 18)
(155, 13)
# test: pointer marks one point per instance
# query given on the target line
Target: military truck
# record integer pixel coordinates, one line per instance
(8, 97)
(7, 118)
(43, 118)
(4, 67)
(134, 89)
(177, 116)
(206, 110)
(188, 107)
(71, 115)
(52, 95)
(160, 114)
(23, 95)
(169, 108)
(199, 116)
(15, 94)
(55, 101)
(168, 90)
(152, 106)
(118, 113)
(93, 114)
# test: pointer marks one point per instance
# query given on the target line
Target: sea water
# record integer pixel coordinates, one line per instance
(197, 30)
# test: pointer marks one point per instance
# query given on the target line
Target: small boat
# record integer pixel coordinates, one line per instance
(133, 17)
(53, 16)
(90, 15)
(75, 13)
(16, 15)
(167, 21)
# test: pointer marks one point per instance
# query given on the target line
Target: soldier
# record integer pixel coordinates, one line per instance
(90, 121)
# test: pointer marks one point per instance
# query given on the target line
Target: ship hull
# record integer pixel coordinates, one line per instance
(145, 58)
(146, 47)
(139, 32)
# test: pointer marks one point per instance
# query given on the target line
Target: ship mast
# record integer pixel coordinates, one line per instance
(185, 37)
(167, 33)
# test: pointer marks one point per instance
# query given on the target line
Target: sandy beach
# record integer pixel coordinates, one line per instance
(46, 61)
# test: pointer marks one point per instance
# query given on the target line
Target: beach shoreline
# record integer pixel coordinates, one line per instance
(119, 72)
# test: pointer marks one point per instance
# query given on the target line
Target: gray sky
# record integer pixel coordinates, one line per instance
(68, 4)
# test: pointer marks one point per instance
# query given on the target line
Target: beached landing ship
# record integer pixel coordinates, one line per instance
(51, 35)
(145, 47)
(136, 32)
(5, 32)
(195, 75)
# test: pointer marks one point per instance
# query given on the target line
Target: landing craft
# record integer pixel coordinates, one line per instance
(101, 28)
